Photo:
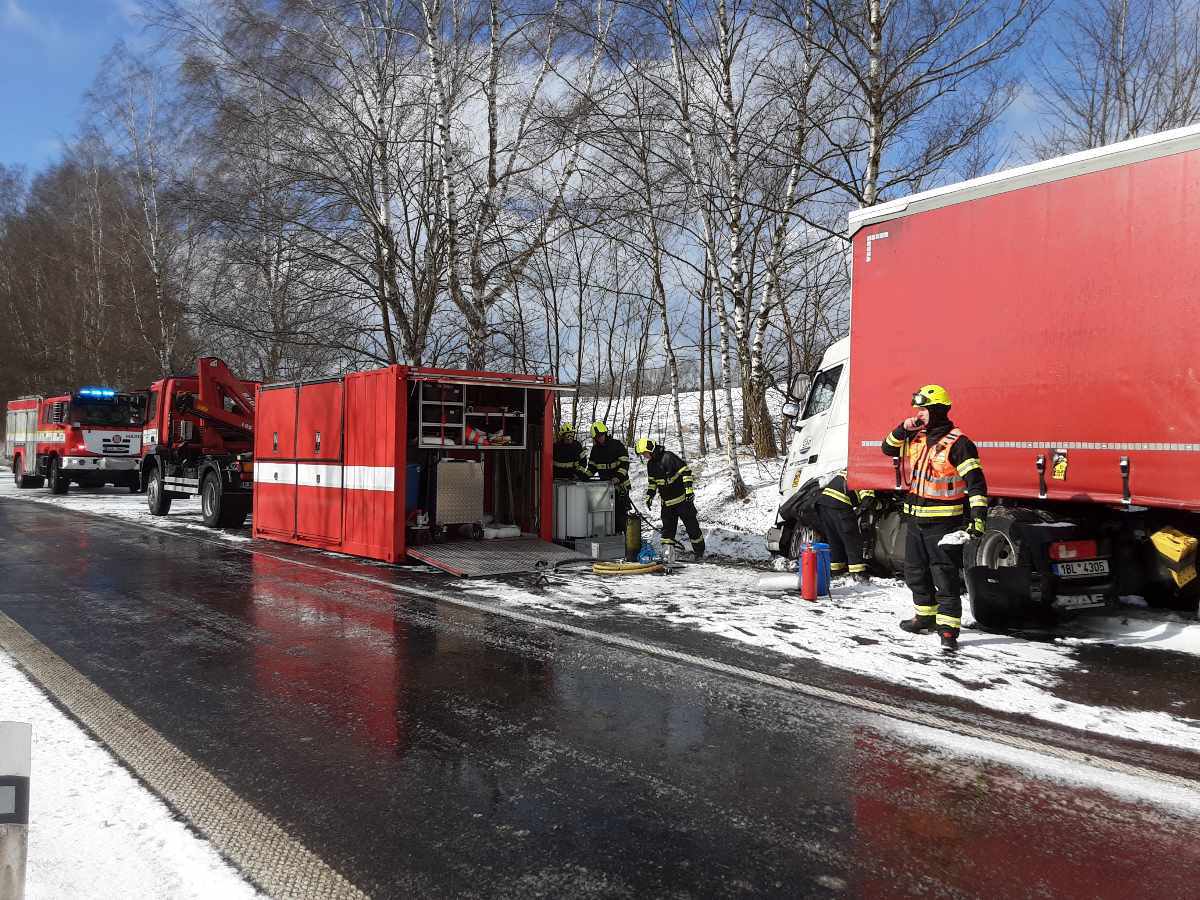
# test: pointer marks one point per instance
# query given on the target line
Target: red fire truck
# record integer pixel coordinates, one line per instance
(196, 441)
(91, 436)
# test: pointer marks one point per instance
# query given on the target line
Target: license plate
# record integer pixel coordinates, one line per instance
(1081, 568)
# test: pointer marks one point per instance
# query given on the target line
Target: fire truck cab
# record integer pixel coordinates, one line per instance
(90, 437)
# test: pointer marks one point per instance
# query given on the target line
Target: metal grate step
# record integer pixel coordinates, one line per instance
(473, 559)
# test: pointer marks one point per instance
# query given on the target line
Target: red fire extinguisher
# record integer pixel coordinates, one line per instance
(808, 573)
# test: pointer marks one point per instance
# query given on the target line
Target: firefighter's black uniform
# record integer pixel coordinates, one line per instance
(610, 461)
(671, 478)
(570, 460)
(838, 508)
(930, 569)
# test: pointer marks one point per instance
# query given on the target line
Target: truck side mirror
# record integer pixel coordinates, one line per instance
(790, 410)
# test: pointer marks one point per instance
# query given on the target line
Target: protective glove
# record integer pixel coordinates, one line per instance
(978, 526)
(649, 500)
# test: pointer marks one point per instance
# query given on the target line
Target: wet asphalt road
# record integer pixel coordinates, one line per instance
(424, 748)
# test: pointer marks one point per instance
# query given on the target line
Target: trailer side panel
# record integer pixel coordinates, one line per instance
(1061, 317)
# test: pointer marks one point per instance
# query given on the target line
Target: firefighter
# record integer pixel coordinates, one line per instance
(570, 460)
(671, 478)
(946, 491)
(839, 509)
(609, 461)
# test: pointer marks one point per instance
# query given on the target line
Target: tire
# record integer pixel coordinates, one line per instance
(998, 548)
(23, 480)
(218, 509)
(134, 486)
(157, 500)
(59, 483)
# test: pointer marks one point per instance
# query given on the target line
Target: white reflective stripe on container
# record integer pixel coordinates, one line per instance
(317, 475)
(274, 473)
(369, 478)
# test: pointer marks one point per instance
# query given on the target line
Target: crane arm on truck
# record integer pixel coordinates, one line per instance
(216, 383)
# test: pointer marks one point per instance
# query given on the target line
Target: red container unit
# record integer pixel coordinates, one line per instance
(333, 464)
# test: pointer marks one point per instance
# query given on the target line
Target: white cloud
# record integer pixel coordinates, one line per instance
(15, 17)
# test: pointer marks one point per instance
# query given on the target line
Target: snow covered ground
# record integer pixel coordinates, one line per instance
(95, 831)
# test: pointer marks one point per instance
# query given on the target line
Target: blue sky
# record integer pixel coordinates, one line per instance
(50, 51)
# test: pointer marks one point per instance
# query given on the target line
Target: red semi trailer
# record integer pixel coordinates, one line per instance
(446, 467)
(1058, 304)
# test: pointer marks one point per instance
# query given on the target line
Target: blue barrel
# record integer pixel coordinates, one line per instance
(824, 568)
(412, 487)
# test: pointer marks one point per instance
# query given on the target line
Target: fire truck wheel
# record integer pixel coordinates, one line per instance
(212, 502)
(59, 483)
(156, 494)
(23, 480)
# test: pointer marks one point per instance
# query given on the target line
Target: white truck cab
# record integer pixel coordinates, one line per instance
(820, 440)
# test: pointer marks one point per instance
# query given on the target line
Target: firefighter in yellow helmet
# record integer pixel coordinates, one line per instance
(671, 478)
(947, 492)
(609, 461)
(570, 460)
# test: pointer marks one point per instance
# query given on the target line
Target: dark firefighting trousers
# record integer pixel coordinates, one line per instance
(671, 515)
(931, 570)
(839, 525)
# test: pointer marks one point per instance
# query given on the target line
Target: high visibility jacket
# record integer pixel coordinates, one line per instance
(610, 461)
(570, 461)
(669, 477)
(941, 471)
(836, 494)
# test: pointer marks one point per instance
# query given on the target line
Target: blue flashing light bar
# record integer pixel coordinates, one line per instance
(105, 393)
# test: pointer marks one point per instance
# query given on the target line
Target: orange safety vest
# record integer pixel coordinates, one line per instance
(928, 472)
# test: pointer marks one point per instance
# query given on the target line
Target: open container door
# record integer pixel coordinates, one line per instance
(484, 445)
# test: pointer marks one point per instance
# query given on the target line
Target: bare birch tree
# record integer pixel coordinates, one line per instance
(1118, 69)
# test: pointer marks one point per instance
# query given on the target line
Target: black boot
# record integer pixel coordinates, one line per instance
(698, 549)
(918, 624)
(862, 578)
(949, 638)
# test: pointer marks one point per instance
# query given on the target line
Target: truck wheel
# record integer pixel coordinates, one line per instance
(21, 479)
(135, 483)
(998, 548)
(156, 493)
(59, 483)
(212, 502)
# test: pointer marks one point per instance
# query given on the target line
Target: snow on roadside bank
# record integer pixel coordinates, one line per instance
(95, 831)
